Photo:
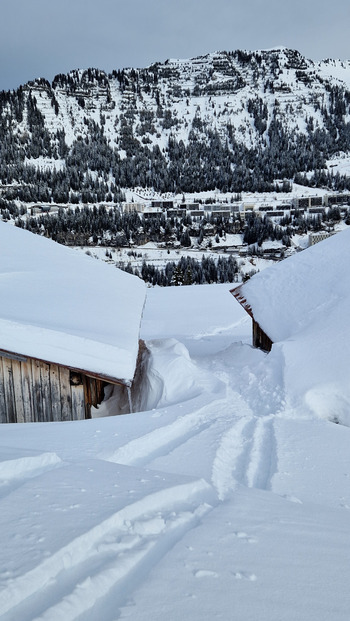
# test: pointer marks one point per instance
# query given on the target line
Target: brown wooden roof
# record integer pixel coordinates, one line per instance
(238, 294)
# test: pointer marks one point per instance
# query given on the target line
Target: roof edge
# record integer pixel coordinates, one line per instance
(240, 297)
(102, 376)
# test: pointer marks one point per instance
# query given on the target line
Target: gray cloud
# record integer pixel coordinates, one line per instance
(39, 38)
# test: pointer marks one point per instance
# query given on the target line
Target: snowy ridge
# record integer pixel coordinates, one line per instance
(88, 134)
(219, 86)
(208, 80)
(26, 465)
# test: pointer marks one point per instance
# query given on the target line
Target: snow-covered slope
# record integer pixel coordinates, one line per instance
(303, 305)
(221, 504)
(242, 89)
(183, 125)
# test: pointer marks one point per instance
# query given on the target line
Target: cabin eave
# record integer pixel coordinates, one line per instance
(260, 339)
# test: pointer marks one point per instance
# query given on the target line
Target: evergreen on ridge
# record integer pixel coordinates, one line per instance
(230, 121)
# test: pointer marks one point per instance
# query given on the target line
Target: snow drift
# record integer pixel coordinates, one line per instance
(303, 305)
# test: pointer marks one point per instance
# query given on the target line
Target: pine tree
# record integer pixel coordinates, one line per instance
(178, 276)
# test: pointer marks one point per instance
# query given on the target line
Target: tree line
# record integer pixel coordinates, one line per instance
(187, 271)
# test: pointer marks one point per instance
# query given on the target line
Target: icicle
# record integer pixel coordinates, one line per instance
(129, 398)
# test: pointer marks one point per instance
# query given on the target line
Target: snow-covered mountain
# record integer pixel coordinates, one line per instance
(228, 120)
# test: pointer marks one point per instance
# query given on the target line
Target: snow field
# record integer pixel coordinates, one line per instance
(257, 556)
(216, 502)
(101, 553)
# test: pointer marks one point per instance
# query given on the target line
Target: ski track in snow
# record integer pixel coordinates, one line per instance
(246, 455)
(231, 457)
(14, 472)
(100, 569)
(106, 560)
(263, 455)
(163, 440)
(28, 465)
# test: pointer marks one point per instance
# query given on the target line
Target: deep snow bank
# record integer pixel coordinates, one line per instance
(179, 326)
(169, 376)
(303, 305)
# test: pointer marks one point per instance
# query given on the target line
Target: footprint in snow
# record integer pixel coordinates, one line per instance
(205, 573)
(245, 537)
(242, 536)
(244, 575)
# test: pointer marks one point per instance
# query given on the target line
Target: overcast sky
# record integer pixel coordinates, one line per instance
(40, 38)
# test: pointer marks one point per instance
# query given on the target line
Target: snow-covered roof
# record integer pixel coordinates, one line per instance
(290, 295)
(303, 305)
(64, 307)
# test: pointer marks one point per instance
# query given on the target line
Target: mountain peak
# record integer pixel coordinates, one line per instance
(230, 120)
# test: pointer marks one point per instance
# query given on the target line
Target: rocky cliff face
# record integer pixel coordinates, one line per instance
(227, 120)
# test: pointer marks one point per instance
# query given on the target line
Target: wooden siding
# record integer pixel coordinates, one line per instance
(260, 338)
(93, 393)
(35, 391)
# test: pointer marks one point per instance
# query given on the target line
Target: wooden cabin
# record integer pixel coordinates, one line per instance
(69, 327)
(288, 297)
(301, 305)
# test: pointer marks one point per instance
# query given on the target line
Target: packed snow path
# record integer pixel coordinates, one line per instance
(75, 568)
(214, 503)
(82, 561)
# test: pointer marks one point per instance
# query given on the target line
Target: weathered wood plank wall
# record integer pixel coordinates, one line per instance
(37, 414)
(66, 399)
(27, 391)
(3, 411)
(18, 390)
(9, 391)
(78, 403)
(260, 338)
(55, 392)
(34, 391)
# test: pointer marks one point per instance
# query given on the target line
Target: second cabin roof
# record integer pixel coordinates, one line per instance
(291, 295)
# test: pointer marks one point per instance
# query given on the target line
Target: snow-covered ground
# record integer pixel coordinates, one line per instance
(154, 254)
(214, 503)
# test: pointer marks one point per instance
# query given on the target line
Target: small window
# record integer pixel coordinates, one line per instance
(75, 378)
